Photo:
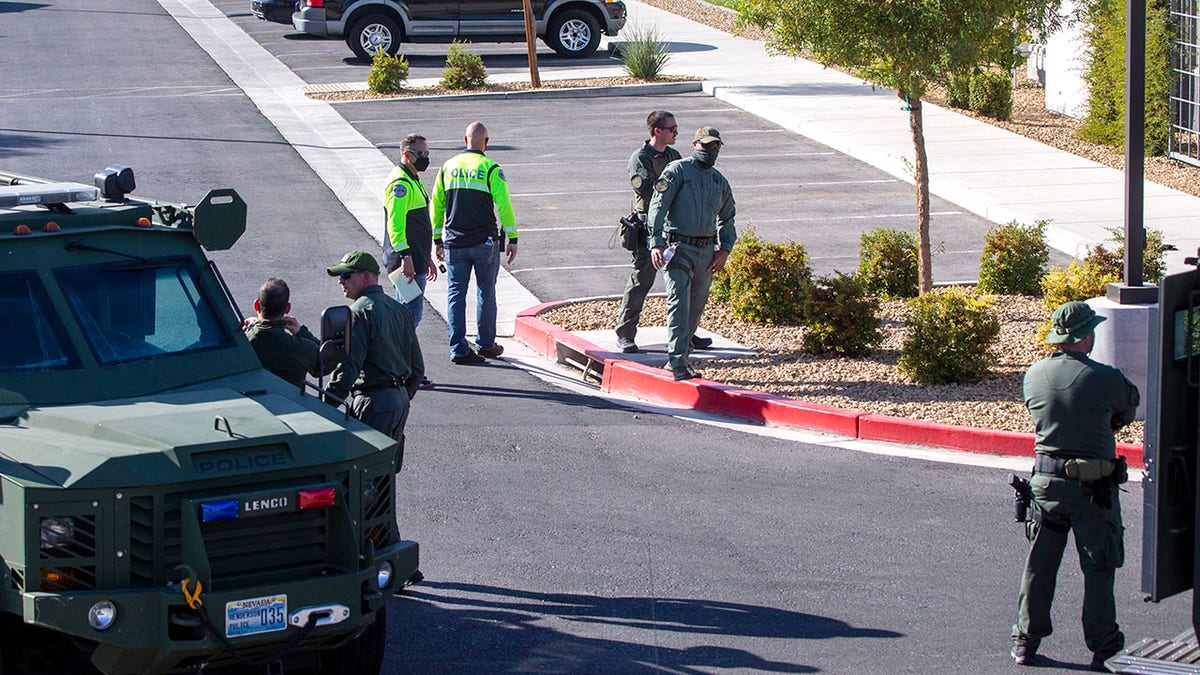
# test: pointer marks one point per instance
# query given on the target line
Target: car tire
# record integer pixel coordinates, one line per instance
(361, 656)
(573, 33)
(372, 33)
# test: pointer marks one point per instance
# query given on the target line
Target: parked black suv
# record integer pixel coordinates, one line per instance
(569, 27)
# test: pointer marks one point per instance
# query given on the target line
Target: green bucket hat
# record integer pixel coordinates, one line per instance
(1072, 322)
(354, 261)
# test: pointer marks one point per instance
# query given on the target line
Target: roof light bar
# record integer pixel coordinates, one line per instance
(46, 193)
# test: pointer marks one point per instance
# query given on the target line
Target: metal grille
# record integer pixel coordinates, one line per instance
(378, 513)
(67, 552)
(241, 548)
(1184, 140)
(154, 535)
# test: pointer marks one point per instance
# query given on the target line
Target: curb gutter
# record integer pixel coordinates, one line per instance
(620, 376)
(651, 89)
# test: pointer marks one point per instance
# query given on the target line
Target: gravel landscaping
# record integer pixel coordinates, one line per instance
(871, 383)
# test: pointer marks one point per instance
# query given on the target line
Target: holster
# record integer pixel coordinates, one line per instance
(633, 232)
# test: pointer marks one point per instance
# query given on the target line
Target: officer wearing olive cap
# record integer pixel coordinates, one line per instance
(691, 224)
(384, 366)
(1076, 405)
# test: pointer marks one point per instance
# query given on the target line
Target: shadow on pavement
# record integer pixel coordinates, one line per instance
(14, 7)
(503, 628)
(15, 145)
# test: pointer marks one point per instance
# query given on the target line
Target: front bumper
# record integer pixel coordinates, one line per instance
(149, 635)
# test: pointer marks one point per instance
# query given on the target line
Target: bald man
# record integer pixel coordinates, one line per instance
(469, 192)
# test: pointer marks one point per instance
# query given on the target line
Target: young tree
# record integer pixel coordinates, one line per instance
(904, 45)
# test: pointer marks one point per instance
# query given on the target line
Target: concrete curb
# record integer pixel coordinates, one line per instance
(628, 378)
(564, 93)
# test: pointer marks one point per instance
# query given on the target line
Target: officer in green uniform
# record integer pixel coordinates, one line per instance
(691, 234)
(384, 365)
(284, 347)
(645, 166)
(1076, 405)
(408, 245)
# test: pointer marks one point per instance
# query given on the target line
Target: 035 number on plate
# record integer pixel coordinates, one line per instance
(255, 615)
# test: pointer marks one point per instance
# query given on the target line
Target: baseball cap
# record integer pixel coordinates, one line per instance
(354, 261)
(708, 135)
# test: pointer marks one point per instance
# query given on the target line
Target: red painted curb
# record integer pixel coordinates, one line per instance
(656, 384)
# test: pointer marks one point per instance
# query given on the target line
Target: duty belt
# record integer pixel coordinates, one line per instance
(367, 389)
(1050, 466)
(692, 241)
(1073, 467)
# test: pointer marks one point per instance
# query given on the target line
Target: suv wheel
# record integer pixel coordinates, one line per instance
(574, 33)
(372, 33)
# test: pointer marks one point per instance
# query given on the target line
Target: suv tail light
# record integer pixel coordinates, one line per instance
(314, 3)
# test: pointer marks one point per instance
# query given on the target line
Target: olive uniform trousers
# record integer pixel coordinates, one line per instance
(688, 283)
(641, 280)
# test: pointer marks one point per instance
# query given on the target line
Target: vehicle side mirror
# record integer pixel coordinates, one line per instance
(335, 333)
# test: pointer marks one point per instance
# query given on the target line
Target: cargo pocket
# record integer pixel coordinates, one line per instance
(1108, 550)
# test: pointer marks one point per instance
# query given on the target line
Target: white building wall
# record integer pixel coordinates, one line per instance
(1063, 62)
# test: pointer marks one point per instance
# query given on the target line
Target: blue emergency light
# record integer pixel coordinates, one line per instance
(211, 512)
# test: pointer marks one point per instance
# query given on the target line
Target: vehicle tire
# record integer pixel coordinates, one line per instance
(361, 656)
(371, 33)
(573, 33)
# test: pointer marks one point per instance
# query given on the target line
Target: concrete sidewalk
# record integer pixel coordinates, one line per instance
(992, 172)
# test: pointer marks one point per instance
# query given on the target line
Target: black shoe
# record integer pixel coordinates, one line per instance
(1099, 658)
(701, 342)
(627, 346)
(468, 359)
(1025, 654)
(492, 352)
(426, 383)
(688, 374)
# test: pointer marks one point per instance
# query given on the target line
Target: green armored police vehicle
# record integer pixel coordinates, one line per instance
(166, 505)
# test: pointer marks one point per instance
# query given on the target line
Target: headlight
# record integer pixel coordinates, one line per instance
(102, 615)
(384, 575)
(58, 533)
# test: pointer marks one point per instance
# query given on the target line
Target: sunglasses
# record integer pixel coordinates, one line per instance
(346, 275)
(674, 129)
(423, 153)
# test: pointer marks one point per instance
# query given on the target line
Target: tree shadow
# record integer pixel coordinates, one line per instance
(15, 145)
(473, 626)
(14, 7)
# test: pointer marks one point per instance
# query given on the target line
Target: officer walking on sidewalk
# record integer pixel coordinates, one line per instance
(692, 212)
(409, 242)
(645, 166)
(1076, 405)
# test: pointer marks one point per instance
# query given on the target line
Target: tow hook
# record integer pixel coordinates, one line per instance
(324, 615)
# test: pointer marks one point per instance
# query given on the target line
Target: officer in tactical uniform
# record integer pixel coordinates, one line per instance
(384, 364)
(645, 166)
(691, 235)
(284, 347)
(409, 242)
(1076, 405)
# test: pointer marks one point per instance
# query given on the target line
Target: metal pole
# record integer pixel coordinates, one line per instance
(1135, 139)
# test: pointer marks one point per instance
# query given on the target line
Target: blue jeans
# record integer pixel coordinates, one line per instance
(484, 259)
(416, 306)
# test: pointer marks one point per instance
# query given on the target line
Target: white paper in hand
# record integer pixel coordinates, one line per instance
(406, 288)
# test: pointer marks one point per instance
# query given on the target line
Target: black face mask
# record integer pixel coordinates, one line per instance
(706, 157)
(421, 163)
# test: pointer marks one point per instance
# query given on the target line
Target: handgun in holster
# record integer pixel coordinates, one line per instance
(1022, 497)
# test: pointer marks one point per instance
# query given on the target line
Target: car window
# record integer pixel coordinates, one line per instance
(146, 310)
(33, 337)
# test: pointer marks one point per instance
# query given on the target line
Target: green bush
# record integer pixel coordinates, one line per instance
(765, 282)
(388, 73)
(1111, 261)
(1014, 259)
(1105, 74)
(887, 263)
(958, 91)
(464, 68)
(842, 317)
(950, 337)
(991, 94)
(1077, 281)
(643, 54)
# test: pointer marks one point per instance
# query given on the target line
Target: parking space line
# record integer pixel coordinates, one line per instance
(869, 216)
(560, 269)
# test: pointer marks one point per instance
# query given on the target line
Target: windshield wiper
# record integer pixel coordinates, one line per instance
(80, 246)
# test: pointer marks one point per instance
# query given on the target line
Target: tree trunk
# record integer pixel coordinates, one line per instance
(921, 175)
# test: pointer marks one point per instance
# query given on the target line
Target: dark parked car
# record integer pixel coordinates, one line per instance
(569, 27)
(279, 11)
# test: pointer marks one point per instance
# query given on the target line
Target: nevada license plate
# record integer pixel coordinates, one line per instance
(255, 615)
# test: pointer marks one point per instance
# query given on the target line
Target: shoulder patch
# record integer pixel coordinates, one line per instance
(500, 172)
(398, 190)
(662, 184)
(636, 180)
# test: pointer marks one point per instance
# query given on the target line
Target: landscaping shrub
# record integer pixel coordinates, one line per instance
(958, 91)
(643, 54)
(464, 68)
(950, 337)
(842, 317)
(388, 73)
(1105, 74)
(765, 282)
(1111, 261)
(991, 94)
(1076, 281)
(887, 263)
(1014, 259)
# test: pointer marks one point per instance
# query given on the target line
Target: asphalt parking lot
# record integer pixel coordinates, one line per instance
(325, 60)
(566, 166)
